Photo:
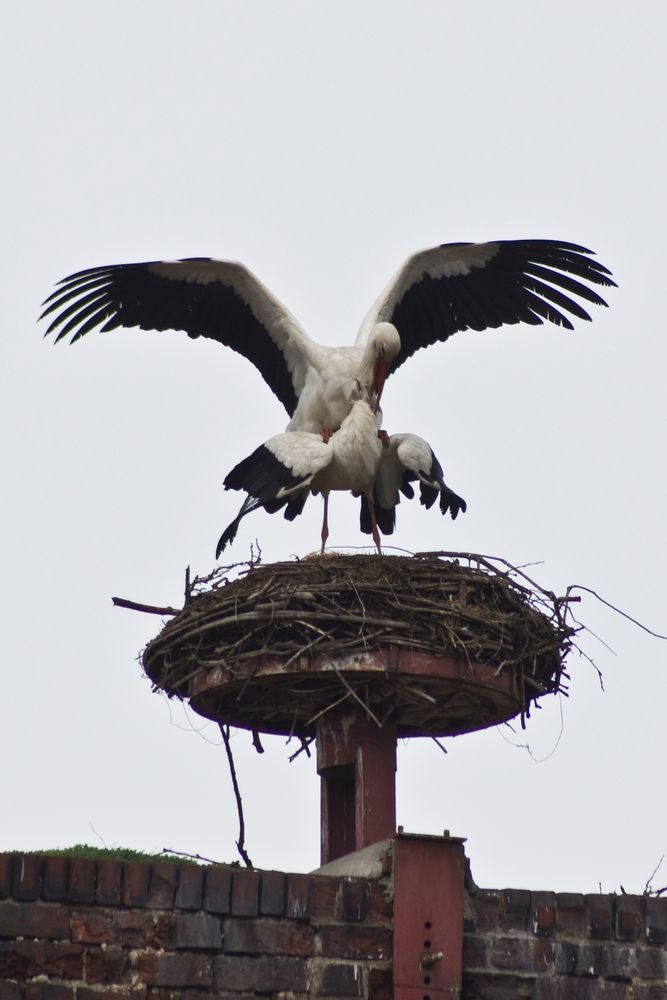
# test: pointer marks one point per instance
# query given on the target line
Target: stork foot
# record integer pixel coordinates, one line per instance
(384, 437)
(326, 434)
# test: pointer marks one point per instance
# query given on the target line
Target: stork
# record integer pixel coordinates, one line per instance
(287, 467)
(436, 292)
(407, 458)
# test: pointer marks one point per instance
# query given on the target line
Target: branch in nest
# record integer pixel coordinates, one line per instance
(149, 609)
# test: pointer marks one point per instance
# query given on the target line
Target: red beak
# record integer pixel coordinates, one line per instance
(380, 377)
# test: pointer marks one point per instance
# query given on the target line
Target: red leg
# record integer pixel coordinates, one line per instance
(326, 434)
(325, 522)
(384, 437)
(374, 527)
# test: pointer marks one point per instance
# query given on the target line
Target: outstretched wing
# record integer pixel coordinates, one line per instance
(474, 286)
(221, 300)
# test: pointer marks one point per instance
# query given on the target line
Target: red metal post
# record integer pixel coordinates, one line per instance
(428, 917)
(356, 760)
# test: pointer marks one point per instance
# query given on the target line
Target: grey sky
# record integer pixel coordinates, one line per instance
(320, 144)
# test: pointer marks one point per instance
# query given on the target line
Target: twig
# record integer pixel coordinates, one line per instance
(656, 635)
(344, 681)
(193, 857)
(304, 748)
(647, 888)
(240, 843)
(256, 742)
(439, 744)
(149, 609)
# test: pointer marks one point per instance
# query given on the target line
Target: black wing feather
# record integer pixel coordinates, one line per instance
(132, 295)
(514, 286)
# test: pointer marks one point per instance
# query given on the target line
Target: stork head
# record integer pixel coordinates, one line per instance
(384, 343)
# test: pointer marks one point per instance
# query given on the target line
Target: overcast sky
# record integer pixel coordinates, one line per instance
(320, 144)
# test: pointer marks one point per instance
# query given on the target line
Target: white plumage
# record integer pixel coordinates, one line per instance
(436, 292)
(456, 286)
(282, 471)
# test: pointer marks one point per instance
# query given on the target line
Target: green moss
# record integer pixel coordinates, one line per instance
(115, 853)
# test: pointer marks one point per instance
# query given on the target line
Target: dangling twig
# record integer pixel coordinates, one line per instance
(304, 748)
(624, 614)
(240, 843)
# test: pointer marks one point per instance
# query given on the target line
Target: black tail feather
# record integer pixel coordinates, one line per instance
(385, 518)
(229, 534)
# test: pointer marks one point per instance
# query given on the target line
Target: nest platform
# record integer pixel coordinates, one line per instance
(436, 646)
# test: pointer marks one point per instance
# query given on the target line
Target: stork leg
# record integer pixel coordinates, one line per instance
(374, 528)
(325, 522)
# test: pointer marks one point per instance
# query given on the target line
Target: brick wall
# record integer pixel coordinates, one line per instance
(108, 930)
(564, 946)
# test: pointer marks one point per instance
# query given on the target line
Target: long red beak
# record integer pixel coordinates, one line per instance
(380, 377)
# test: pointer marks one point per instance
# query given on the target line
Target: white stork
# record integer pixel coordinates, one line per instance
(407, 458)
(437, 292)
(287, 467)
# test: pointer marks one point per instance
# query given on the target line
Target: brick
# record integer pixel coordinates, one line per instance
(173, 970)
(9, 990)
(81, 881)
(298, 897)
(11, 965)
(338, 980)
(380, 901)
(131, 928)
(487, 986)
(651, 963)
(54, 879)
(34, 920)
(108, 890)
(629, 917)
(583, 960)
(515, 909)
(48, 991)
(218, 889)
(273, 894)
(5, 875)
(270, 937)
(26, 877)
(599, 916)
(131, 993)
(620, 962)
(196, 931)
(108, 966)
(650, 991)
(486, 904)
(355, 942)
(323, 897)
(570, 914)
(245, 892)
(140, 929)
(162, 889)
(354, 899)
(543, 913)
(566, 988)
(46, 958)
(521, 953)
(264, 973)
(475, 951)
(91, 928)
(656, 920)
(380, 984)
(189, 894)
(136, 877)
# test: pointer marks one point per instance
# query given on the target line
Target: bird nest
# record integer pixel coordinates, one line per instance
(436, 644)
